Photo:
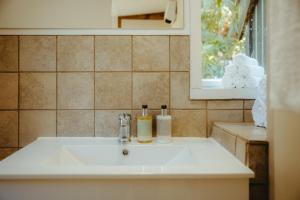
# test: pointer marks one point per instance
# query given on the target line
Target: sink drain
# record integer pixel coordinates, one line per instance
(125, 152)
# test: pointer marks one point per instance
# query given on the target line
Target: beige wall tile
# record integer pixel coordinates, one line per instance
(75, 123)
(189, 123)
(37, 123)
(5, 152)
(113, 53)
(225, 104)
(9, 53)
(241, 150)
(248, 116)
(227, 140)
(9, 129)
(151, 89)
(248, 104)
(113, 90)
(107, 122)
(179, 53)
(75, 53)
(216, 134)
(150, 53)
(37, 53)
(37, 90)
(75, 90)
(223, 116)
(180, 92)
(9, 91)
(136, 113)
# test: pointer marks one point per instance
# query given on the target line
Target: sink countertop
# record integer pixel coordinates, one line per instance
(182, 158)
(246, 131)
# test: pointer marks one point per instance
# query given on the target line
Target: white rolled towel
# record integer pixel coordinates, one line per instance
(242, 59)
(231, 68)
(259, 113)
(259, 110)
(239, 82)
(262, 88)
(242, 72)
(232, 77)
(228, 82)
(231, 71)
(252, 82)
(251, 71)
(233, 82)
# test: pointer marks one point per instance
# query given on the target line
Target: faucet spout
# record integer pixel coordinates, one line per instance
(124, 128)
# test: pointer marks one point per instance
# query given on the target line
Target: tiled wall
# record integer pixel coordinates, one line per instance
(77, 85)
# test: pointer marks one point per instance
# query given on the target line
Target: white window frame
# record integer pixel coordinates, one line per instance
(207, 88)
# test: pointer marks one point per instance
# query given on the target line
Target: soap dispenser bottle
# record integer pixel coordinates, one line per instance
(144, 126)
(164, 126)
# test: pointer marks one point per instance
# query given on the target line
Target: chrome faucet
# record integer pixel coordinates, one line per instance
(124, 128)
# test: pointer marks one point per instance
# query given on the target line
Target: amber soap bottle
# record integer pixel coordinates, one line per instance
(144, 126)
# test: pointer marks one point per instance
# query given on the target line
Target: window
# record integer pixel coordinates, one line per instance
(220, 36)
(229, 27)
(256, 37)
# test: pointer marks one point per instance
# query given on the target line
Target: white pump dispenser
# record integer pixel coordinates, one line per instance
(164, 126)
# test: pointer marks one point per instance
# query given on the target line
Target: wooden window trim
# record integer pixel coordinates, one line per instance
(150, 16)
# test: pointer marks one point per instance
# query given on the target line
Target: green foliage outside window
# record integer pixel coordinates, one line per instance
(220, 39)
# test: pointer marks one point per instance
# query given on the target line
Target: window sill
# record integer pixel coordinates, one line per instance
(213, 89)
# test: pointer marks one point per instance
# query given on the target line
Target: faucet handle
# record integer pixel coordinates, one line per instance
(124, 119)
(125, 128)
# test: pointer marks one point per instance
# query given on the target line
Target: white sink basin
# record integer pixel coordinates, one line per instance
(112, 155)
(93, 168)
(103, 157)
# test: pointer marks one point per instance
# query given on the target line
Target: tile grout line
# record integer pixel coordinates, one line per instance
(37, 109)
(170, 89)
(120, 71)
(131, 43)
(170, 105)
(94, 86)
(56, 74)
(18, 92)
(63, 109)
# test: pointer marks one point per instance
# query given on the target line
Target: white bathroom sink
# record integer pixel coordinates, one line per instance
(113, 155)
(93, 168)
(104, 158)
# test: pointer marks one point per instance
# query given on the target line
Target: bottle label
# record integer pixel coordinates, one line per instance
(144, 129)
(164, 127)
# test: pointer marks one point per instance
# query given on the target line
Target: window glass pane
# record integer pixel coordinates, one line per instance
(220, 27)
(256, 34)
(259, 29)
